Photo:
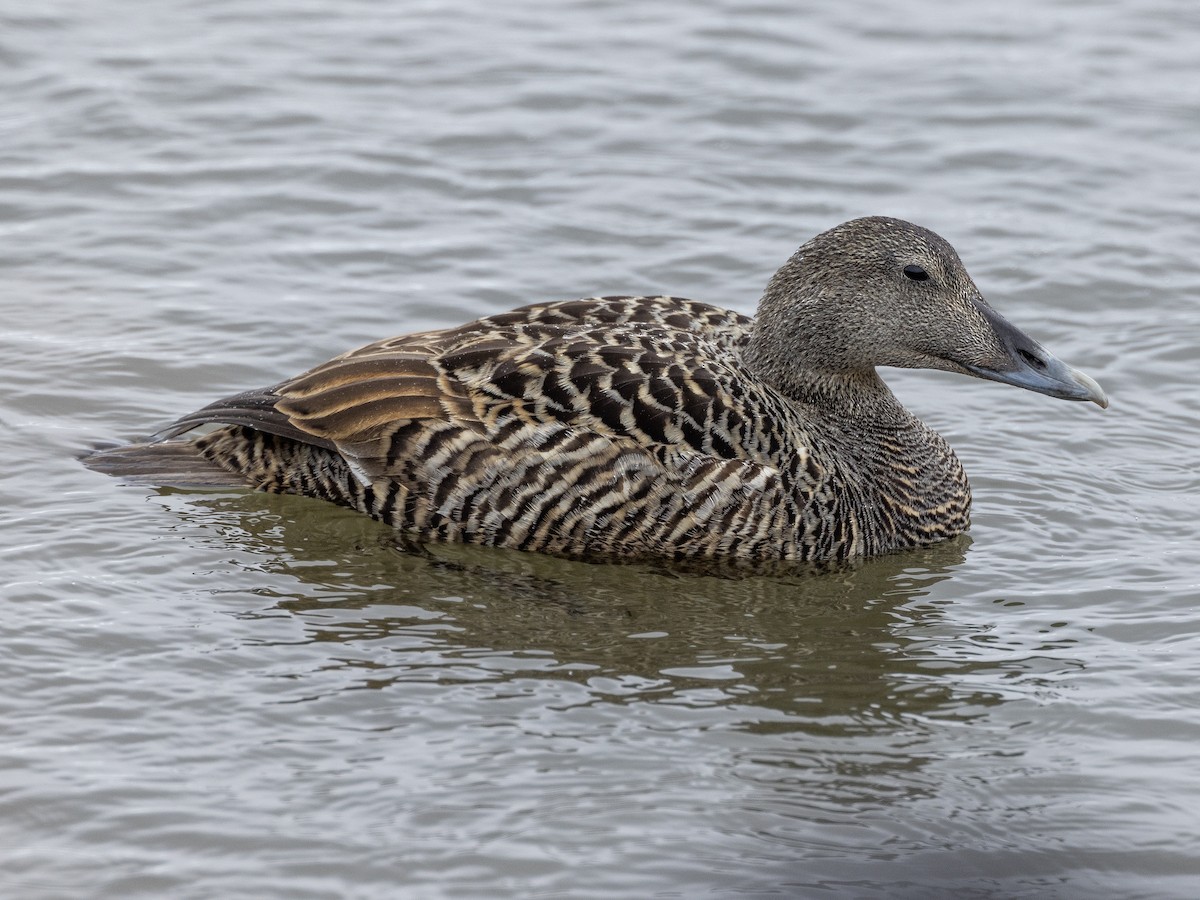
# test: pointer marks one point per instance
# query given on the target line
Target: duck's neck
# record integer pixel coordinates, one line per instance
(909, 487)
(838, 392)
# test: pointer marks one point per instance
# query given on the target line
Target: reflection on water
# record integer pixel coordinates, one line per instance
(839, 652)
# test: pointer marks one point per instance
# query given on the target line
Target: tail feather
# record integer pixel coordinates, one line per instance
(175, 463)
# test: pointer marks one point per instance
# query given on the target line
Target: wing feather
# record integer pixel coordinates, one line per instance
(642, 372)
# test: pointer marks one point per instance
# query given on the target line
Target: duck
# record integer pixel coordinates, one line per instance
(643, 427)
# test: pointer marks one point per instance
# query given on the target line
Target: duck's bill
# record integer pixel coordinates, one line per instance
(1029, 365)
(1052, 377)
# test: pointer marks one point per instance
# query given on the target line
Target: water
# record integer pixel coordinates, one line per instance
(228, 695)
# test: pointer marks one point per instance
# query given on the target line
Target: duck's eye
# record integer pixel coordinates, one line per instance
(916, 273)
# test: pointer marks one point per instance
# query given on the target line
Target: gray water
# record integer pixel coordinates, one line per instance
(234, 695)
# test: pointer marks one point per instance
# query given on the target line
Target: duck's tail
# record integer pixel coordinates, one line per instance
(173, 463)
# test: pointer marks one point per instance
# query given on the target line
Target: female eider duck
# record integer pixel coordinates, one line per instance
(645, 426)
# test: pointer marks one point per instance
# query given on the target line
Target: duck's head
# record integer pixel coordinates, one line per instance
(884, 292)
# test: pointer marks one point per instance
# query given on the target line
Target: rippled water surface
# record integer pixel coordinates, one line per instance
(234, 695)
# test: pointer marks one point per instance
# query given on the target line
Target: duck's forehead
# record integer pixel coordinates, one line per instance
(894, 236)
(916, 244)
(901, 235)
(875, 241)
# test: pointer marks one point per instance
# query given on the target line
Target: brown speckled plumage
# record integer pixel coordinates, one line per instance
(647, 426)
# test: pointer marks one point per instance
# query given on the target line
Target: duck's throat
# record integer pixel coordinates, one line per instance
(900, 480)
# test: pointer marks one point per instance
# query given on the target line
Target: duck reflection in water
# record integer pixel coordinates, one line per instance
(826, 651)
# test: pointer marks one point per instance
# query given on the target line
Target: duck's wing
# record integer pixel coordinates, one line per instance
(642, 374)
(256, 408)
